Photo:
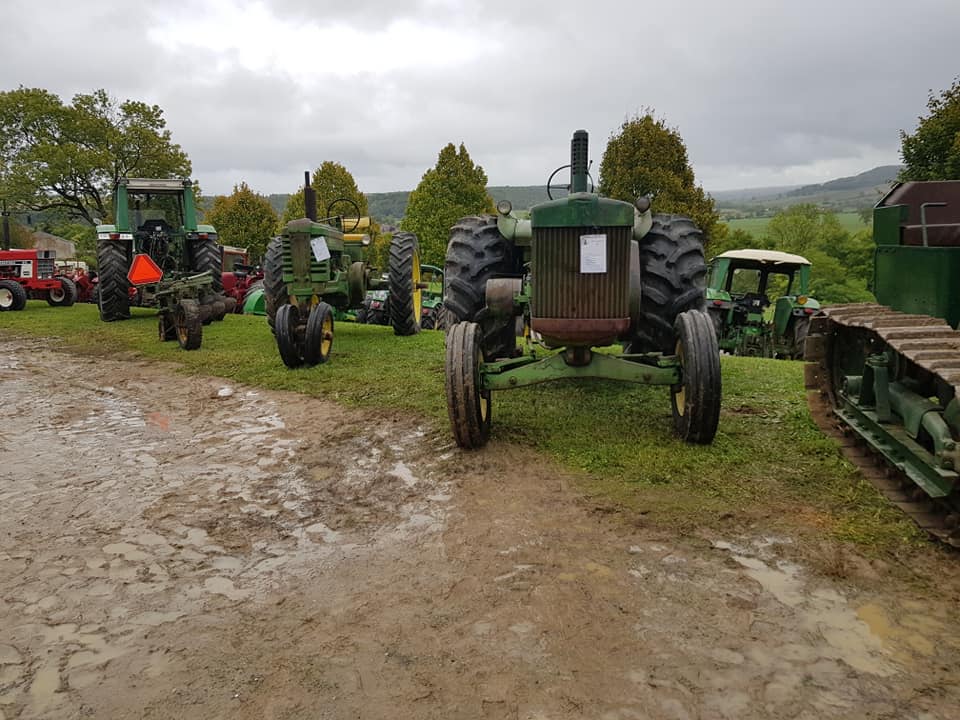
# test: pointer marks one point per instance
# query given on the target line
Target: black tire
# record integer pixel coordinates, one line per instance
(361, 316)
(65, 295)
(113, 263)
(477, 252)
(291, 349)
(318, 341)
(12, 296)
(427, 322)
(189, 327)
(696, 400)
(166, 327)
(467, 406)
(405, 297)
(800, 329)
(207, 256)
(274, 289)
(378, 317)
(673, 278)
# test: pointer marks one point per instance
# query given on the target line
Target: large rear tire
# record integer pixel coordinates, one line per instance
(673, 278)
(406, 296)
(65, 295)
(12, 296)
(274, 289)
(477, 252)
(696, 400)
(113, 263)
(467, 405)
(207, 256)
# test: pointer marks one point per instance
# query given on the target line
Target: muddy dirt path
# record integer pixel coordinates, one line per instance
(237, 553)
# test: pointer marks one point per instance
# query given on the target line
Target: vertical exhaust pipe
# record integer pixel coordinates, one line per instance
(578, 162)
(309, 197)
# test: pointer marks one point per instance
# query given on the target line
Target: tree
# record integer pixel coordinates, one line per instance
(453, 188)
(69, 157)
(331, 181)
(932, 152)
(647, 157)
(243, 219)
(842, 263)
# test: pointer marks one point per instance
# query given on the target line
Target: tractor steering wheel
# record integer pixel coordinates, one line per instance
(566, 187)
(355, 207)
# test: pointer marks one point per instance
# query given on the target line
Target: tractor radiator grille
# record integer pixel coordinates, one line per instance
(45, 267)
(560, 290)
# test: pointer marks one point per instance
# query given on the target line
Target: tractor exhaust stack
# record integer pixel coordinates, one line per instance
(6, 226)
(578, 162)
(309, 197)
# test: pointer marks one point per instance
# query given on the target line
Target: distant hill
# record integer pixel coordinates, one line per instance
(847, 194)
(881, 175)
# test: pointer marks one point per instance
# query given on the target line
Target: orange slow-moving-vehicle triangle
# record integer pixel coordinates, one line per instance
(144, 271)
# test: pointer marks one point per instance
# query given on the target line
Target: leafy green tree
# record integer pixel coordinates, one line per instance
(243, 219)
(647, 157)
(453, 188)
(331, 181)
(932, 152)
(69, 156)
(842, 263)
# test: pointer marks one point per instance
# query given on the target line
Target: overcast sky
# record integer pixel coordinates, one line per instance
(764, 92)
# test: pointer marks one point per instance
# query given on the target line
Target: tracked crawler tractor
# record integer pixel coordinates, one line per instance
(584, 272)
(883, 378)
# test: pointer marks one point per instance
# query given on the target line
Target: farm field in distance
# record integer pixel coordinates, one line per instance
(850, 221)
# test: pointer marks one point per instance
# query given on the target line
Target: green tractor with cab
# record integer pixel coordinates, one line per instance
(156, 254)
(738, 300)
(583, 272)
(317, 268)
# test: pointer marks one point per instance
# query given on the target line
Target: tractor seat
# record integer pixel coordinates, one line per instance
(157, 225)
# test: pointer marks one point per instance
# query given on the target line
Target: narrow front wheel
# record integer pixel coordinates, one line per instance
(318, 340)
(467, 404)
(696, 399)
(291, 348)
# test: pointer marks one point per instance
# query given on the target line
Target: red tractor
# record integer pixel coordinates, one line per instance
(239, 276)
(84, 278)
(33, 274)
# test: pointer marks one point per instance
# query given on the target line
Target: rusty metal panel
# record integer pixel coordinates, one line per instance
(561, 291)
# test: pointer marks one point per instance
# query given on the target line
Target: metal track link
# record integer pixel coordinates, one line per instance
(931, 345)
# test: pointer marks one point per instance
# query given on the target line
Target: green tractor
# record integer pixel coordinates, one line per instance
(316, 268)
(157, 254)
(884, 378)
(738, 301)
(376, 305)
(583, 272)
(433, 317)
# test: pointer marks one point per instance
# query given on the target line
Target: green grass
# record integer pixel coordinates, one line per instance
(756, 226)
(768, 463)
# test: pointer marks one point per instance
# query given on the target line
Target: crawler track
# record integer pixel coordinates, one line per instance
(930, 348)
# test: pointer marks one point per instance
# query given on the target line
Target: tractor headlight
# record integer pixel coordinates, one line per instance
(504, 207)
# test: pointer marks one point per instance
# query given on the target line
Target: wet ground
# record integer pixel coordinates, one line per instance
(227, 552)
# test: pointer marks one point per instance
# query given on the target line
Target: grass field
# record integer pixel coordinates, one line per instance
(757, 225)
(768, 461)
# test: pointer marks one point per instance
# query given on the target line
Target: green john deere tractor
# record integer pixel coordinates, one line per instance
(433, 317)
(888, 374)
(319, 267)
(738, 300)
(156, 254)
(583, 272)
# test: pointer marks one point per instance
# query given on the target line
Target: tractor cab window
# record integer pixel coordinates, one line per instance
(150, 211)
(743, 281)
